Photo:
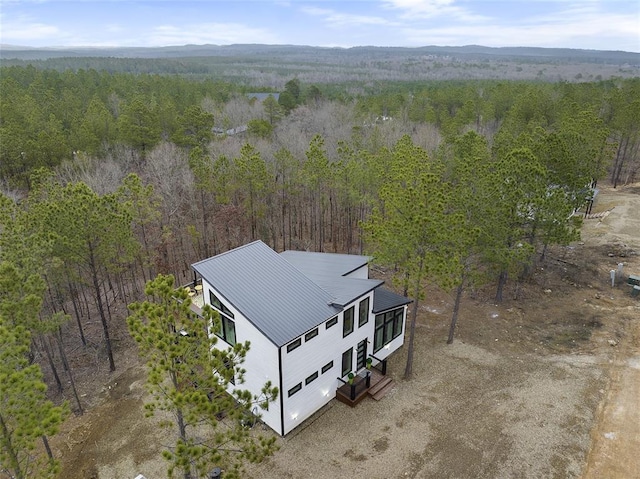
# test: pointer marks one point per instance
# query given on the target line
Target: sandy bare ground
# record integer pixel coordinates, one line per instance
(616, 438)
(531, 388)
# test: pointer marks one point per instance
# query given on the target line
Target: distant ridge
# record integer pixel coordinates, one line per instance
(184, 51)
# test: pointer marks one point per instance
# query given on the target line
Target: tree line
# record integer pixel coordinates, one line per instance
(459, 184)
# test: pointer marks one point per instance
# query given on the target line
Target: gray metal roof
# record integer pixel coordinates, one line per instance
(328, 270)
(325, 264)
(278, 299)
(384, 300)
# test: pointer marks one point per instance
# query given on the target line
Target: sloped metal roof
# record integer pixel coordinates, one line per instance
(328, 270)
(384, 300)
(278, 299)
(325, 264)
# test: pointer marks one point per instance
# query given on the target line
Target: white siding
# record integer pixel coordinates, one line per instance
(261, 362)
(360, 273)
(310, 357)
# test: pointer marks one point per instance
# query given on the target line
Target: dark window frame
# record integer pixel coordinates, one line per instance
(363, 316)
(227, 331)
(327, 367)
(294, 345)
(348, 321)
(215, 302)
(310, 335)
(346, 370)
(294, 389)
(311, 378)
(388, 326)
(332, 322)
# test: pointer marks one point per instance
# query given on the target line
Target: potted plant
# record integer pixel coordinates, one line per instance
(368, 364)
(351, 376)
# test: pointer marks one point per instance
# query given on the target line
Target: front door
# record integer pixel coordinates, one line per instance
(361, 357)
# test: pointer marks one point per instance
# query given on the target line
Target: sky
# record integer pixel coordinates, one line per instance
(586, 24)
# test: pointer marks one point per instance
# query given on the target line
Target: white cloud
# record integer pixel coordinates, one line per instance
(592, 31)
(24, 29)
(334, 18)
(421, 9)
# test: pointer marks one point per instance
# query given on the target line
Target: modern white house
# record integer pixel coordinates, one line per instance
(311, 319)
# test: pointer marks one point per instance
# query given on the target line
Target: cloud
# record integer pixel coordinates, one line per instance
(421, 9)
(25, 28)
(338, 19)
(586, 31)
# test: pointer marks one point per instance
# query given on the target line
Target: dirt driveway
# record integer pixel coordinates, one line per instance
(543, 386)
(616, 438)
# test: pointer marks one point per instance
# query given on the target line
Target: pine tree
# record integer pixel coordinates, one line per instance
(26, 415)
(190, 377)
(408, 229)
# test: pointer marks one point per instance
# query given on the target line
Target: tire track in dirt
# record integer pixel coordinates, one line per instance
(615, 440)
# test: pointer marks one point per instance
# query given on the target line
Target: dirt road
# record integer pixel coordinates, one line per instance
(615, 450)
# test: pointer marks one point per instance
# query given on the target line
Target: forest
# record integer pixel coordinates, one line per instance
(108, 179)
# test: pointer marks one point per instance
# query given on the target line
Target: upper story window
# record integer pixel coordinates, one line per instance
(216, 303)
(311, 334)
(227, 330)
(331, 322)
(363, 312)
(294, 345)
(347, 326)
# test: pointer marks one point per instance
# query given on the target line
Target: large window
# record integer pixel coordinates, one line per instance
(388, 327)
(227, 331)
(363, 312)
(216, 303)
(347, 326)
(347, 361)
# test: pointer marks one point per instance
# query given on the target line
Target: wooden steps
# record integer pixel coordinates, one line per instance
(381, 388)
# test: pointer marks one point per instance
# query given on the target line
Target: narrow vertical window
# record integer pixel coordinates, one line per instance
(347, 361)
(347, 326)
(363, 312)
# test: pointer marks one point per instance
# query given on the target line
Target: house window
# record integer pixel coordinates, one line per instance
(311, 378)
(294, 389)
(227, 331)
(347, 361)
(228, 365)
(311, 334)
(332, 322)
(347, 326)
(216, 303)
(294, 345)
(327, 367)
(363, 312)
(388, 327)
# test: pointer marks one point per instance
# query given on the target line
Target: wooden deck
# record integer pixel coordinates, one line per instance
(379, 385)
